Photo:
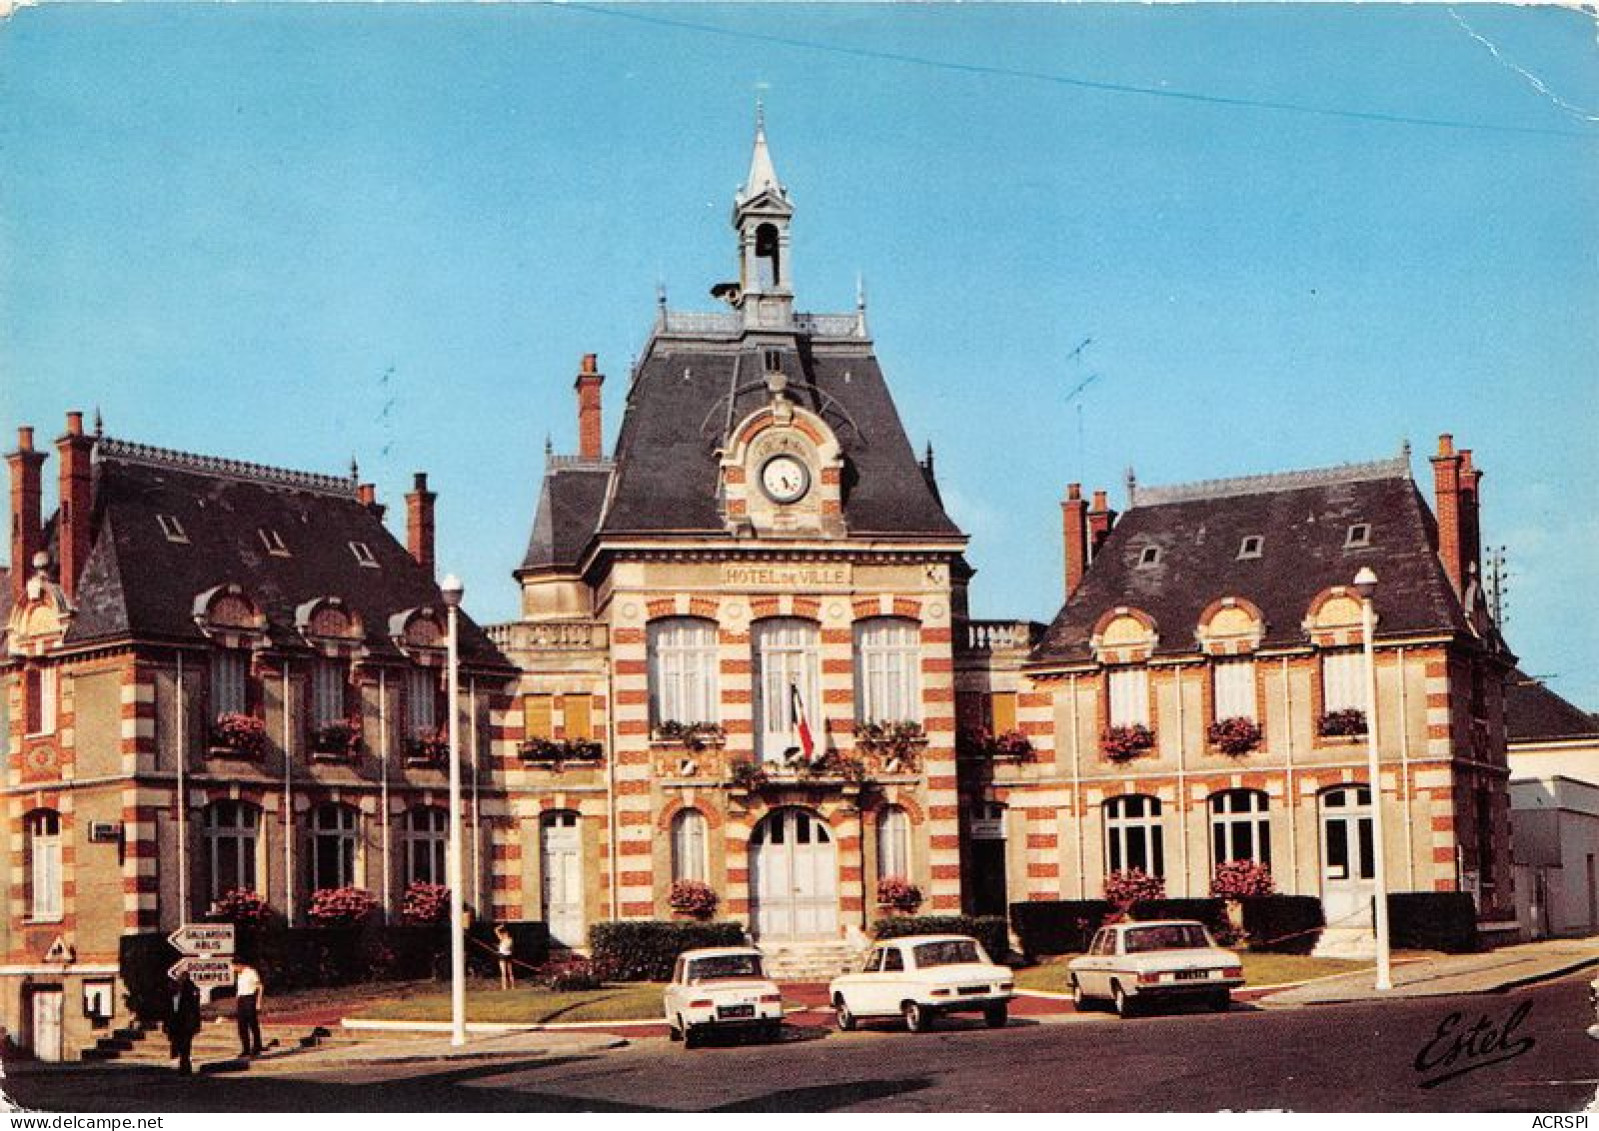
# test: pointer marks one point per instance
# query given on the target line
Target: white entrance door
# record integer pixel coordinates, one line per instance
(794, 877)
(47, 1024)
(1348, 863)
(561, 860)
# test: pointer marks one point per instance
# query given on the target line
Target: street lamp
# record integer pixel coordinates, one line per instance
(452, 590)
(1366, 585)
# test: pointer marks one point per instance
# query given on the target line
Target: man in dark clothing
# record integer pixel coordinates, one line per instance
(183, 1020)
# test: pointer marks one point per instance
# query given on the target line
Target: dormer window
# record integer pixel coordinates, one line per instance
(363, 555)
(273, 541)
(1150, 556)
(172, 528)
(1251, 546)
(1359, 536)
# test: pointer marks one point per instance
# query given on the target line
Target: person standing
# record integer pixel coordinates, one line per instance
(248, 987)
(183, 1021)
(502, 935)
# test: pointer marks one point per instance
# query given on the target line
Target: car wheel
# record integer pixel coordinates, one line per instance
(996, 1016)
(841, 1013)
(772, 1031)
(917, 1017)
(1221, 1001)
(1079, 998)
(691, 1037)
(1125, 1006)
(674, 1031)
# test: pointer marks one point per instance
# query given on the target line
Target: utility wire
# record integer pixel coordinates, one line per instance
(1067, 80)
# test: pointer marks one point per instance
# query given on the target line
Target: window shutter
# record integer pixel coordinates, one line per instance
(538, 717)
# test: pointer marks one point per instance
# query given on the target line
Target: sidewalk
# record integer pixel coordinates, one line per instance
(1494, 971)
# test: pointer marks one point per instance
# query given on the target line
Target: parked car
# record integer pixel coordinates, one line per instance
(922, 977)
(721, 988)
(1136, 964)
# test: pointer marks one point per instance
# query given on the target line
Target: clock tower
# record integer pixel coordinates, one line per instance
(762, 214)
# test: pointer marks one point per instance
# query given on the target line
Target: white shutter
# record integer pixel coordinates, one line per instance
(683, 669)
(1342, 683)
(887, 671)
(1129, 697)
(1235, 689)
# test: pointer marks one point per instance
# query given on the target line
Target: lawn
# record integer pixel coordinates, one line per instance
(525, 1005)
(1259, 970)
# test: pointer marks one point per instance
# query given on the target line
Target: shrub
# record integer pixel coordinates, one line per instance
(990, 930)
(1122, 744)
(1283, 924)
(643, 950)
(425, 904)
(1057, 926)
(1433, 920)
(243, 734)
(692, 897)
(1336, 724)
(899, 893)
(1211, 912)
(571, 974)
(1131, 886)
(745, 774)
(142, 962)
(1241, 879)
(1234, 736)
(341, 907)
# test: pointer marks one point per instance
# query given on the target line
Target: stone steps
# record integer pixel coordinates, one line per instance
(809, 961)
(216, 1041)
(1346, 942)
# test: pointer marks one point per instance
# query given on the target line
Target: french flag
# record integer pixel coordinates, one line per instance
(802, 726)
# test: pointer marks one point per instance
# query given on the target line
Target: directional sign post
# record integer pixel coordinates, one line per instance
(203, 940)
(207, 973)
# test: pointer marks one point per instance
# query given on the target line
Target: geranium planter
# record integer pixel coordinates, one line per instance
(238, 735)
(1350, 723)
(1234, 737)
(1123, 743)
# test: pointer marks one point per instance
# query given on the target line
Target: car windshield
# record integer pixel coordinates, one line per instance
(950, 952)
(725, 966)
(1171, 936)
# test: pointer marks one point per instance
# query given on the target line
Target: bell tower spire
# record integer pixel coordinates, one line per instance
(761, 216)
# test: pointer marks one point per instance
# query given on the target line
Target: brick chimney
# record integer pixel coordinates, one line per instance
(419, 522)
(590, 437)
(1074, 529)
(1451, 503)
(1470, 517)
(77, 501)
(367, 495)
(1100, 519)
(27, 535)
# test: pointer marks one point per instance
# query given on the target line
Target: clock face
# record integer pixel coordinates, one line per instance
(785, 479)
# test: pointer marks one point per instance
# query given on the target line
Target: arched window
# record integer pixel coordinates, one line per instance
(334, 836)
(425, 833)
(1133, 835)
(43, 828)
(888, 661)
(893, 842)
(232, 839)
(1239, 826)
(683, 667)
(787, 661)
(688, 846)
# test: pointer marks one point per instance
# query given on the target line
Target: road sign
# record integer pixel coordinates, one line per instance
(205, 972)
(203, 939)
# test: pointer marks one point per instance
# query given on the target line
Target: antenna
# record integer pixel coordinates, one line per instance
(1498, 586)
(1074, 398)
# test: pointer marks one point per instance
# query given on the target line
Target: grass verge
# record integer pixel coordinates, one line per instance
(525, 1005)
(1259, 970)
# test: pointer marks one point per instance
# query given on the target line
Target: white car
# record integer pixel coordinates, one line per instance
(1133, 964)
(721, 988)
(920, 977)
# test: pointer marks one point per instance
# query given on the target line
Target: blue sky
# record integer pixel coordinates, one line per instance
(1295, 235)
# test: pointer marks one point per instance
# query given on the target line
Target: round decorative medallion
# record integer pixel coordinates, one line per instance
(629, 611)
(785, 479)
(935, 612)
(42, 757)
(835, 612)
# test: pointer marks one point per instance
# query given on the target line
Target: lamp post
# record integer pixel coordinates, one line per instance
(1366, 585)
(452, 590)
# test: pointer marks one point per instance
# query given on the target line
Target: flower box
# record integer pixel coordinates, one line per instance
(238, 735)
(1234, 736)
(340, 739)
(693, 737)
(1123, 743)
(557, 752)
(692, 899)
(1349, 723)
(981, 742)
(892, 741)
(429, 747)
(898, 896)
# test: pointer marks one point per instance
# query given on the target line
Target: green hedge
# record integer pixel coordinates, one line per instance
(990, 930)
(1283, 924)
(643, 950)
(1211, 912)
(1057, 926)
(1433, 920)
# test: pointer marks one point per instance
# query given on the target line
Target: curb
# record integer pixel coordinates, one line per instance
(1496, 988)
(467, 1052)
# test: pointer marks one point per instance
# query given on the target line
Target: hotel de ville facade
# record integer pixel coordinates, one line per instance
(743, 657)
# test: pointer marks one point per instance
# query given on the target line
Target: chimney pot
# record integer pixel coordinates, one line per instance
(591, 363)
(1446, 444)
(420, 480)
(25, 438)
(419, 522)
(1074, 491)
(1101, 501)
(74, 424)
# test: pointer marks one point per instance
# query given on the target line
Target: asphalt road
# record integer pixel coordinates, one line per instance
(1388, 1056)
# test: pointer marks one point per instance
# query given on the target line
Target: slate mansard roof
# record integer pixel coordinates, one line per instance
(1303, 520)
(689, 390)
(137, 583)
(1534, 713)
